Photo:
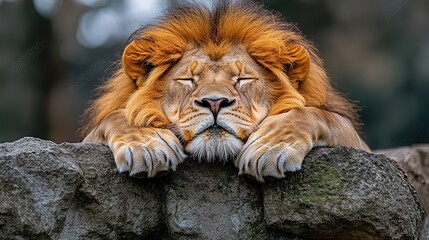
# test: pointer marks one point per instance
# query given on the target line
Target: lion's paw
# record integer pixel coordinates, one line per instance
(148, 153)
(273, 150)
(261, 161)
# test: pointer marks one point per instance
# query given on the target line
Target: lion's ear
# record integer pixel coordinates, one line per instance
(297, 63)
(136, 58)
(306, 74)
(142, 55)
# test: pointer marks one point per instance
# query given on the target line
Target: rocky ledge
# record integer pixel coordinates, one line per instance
(73, 191)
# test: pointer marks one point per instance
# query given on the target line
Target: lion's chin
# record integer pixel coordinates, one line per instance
(214, 144)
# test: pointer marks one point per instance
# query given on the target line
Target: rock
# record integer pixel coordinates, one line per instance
(72, 191)
(209, 201)
(352, 195)
(415, 162)
(38, 184)
(425, 232)
(217, 205)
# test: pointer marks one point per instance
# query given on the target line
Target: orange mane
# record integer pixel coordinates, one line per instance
(296, 75)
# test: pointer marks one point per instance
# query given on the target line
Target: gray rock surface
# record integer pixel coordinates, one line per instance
(352, 195)
(414, 160)
(425, 231)
(72, 191)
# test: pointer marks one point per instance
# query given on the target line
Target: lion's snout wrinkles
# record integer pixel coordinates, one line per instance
(231, 81)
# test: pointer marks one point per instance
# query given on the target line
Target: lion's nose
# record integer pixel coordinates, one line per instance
(215, 104)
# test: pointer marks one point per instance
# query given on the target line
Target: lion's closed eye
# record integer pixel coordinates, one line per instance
(186, 81)
(245, 80)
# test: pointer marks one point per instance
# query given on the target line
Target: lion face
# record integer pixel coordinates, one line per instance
(215, 104)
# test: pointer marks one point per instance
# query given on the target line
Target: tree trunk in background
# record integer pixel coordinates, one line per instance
(63, 112)
(26, 72)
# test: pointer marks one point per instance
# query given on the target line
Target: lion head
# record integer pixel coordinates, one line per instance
(211, 75)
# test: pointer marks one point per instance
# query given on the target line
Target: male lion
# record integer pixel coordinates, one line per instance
(232, 81)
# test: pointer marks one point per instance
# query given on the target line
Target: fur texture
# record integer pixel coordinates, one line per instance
(287, 80)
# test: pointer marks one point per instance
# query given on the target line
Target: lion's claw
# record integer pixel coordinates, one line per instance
(150, 155)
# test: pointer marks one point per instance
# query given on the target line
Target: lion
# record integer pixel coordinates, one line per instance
(230, 82)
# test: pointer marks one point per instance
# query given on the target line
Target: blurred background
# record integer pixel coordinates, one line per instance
(53, 54)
